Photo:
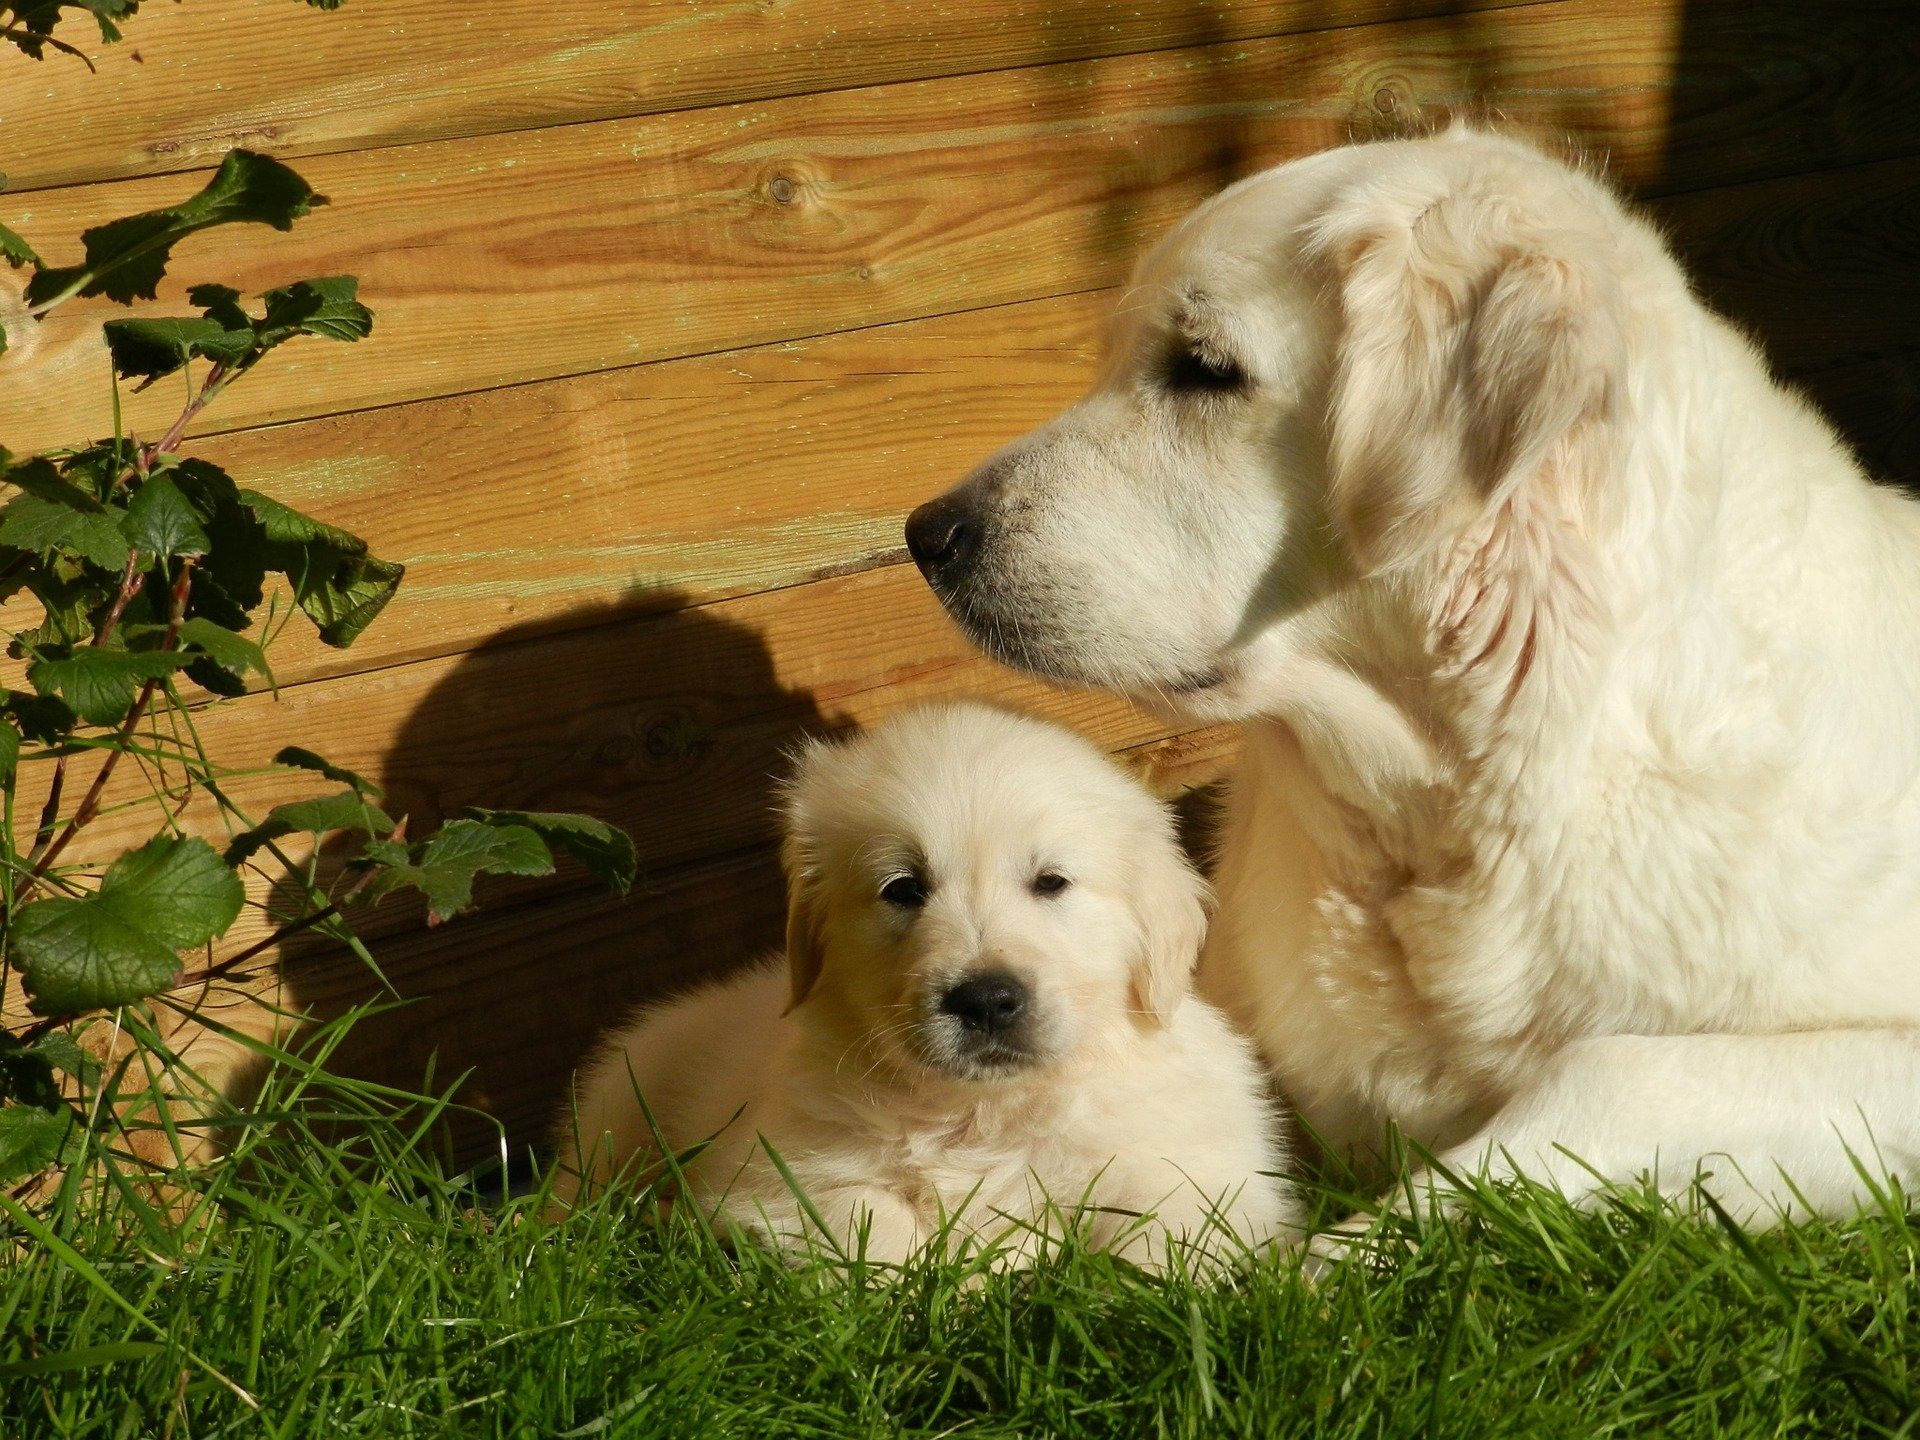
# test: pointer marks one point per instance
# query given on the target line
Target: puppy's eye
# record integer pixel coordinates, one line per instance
(1188, 372)
(1050, 882)
(909, 892)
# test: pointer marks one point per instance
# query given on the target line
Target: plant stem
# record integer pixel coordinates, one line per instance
(90, 802)
(23, 37)
(329, 911)
(131, 582)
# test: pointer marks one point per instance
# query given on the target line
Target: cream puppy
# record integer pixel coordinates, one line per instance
(982, 1024)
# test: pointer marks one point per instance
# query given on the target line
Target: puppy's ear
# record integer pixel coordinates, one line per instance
(1482, 344)
(806, 940)
(1171, 904)
(800, 858)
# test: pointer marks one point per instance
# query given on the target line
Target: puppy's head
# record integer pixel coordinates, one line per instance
(1323, 378)
(982, 896)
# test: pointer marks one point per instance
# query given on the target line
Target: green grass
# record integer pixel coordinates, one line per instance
(335, 1287)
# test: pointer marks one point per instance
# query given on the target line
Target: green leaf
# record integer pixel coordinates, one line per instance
(43, 719)
(335, 581)
(63, 1052)
(125, 258)
(161, 523)
(226, 334)
(230, 581)
(31, 1139)
(448, 862)
(296, 758)
(26, 1074)
(9, 752)
(96, 469)
(325, 308)
(347, 810)
(74, 597)
(220, 303)
(39, 478)
(235, 654)
(217, 658)
(71, 593)
(149, 349)
(606, 850)
(121, 943)
(29, 522)
(286, 526)
(100, 684)
(15, 251)
(343, 600)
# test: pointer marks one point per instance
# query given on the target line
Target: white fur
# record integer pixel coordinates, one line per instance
(1138, 1102)
(1579, 664)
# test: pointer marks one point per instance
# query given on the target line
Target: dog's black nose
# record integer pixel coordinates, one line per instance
(942, 535)
(989, 1005)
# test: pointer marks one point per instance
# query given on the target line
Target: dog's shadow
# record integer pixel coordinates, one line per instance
(671, 723)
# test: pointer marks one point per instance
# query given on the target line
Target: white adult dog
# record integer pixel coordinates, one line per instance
(1580, 666)
(982, 1028)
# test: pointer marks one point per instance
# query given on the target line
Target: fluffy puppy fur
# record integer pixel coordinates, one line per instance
(1578, 830)
(982, 1021)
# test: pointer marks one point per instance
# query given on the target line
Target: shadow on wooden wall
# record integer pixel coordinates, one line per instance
(674, 725)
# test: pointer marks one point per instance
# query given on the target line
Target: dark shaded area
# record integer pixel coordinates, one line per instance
(673, 726)
(1823, 267)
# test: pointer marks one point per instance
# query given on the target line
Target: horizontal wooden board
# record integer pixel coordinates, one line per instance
(519, 257)
(518, 1011)
(673, 726)
(664, 485)
(194, 80)
(693, 480)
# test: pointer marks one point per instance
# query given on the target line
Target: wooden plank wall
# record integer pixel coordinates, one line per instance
(683, 303)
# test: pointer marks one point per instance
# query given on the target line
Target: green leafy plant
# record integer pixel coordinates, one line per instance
(154, 582)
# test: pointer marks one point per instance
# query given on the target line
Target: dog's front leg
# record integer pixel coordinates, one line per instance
(1771, 1126)
(873, 1222)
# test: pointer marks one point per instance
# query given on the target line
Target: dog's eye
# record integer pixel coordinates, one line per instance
(1050, 882)
(909, 892)
(1188, 372)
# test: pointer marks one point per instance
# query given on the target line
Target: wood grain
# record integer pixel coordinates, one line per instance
(516, 1012)
(195, 80)
(513, 258)
(663, 485)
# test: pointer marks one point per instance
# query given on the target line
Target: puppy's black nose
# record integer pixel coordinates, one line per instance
(990, 1005)
(942, 535)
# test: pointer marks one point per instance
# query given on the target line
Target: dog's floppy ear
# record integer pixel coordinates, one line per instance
(806, 918)
(1481, 343)
(1171, 904)
(806, 941)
